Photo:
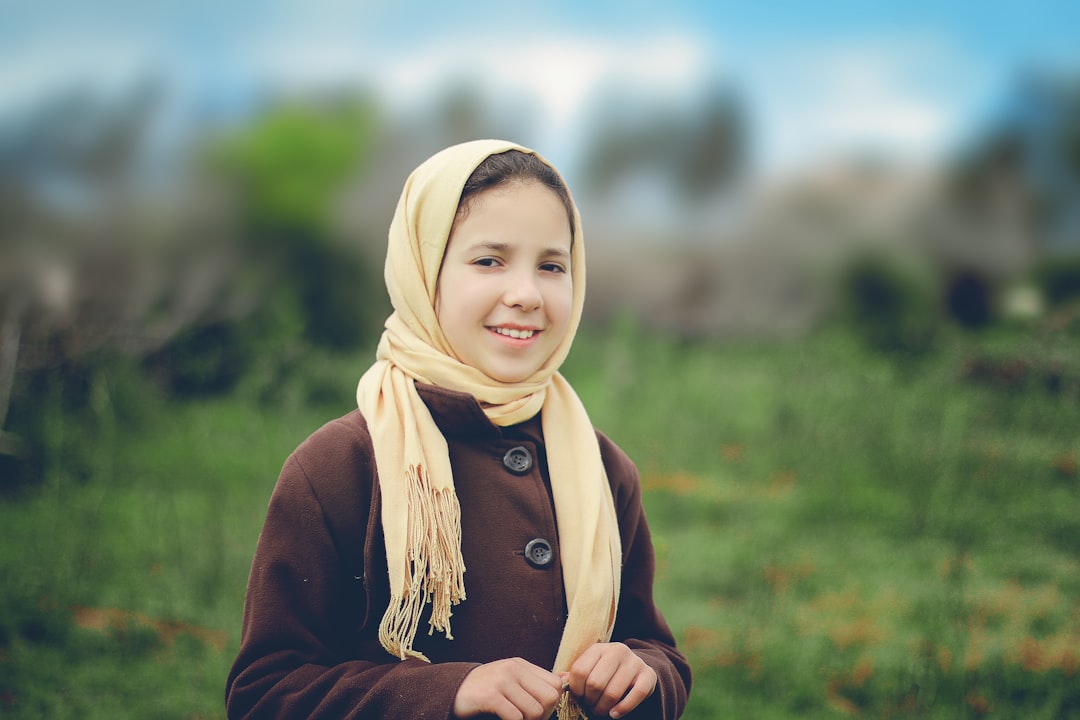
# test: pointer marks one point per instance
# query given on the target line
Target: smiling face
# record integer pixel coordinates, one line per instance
(505, 293)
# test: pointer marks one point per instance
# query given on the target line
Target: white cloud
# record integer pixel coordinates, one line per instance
(561, 72)
(558, 78)
(902, 98)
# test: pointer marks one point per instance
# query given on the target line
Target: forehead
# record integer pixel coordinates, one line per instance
(510, 186)
(517, 206)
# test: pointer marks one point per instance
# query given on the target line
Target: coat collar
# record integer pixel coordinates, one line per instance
(460, 417)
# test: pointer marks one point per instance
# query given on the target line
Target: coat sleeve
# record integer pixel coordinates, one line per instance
(308, 648)
(639, 623)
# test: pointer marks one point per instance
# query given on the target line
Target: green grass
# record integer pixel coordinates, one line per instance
(839, 535)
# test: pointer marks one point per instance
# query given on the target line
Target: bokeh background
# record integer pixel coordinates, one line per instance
(730, 160)
(194, 200)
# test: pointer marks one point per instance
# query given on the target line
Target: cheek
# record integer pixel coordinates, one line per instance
(563, 303)
(447, 297)
(441, 316)
(456, 305)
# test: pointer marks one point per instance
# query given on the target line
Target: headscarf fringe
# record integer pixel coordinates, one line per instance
(569, 709)
(437, 568)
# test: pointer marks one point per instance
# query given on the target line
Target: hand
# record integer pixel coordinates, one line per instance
(512, 689)
(610, 679)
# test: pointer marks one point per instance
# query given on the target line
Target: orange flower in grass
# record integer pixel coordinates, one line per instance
(1069, 662)
(680, 483)
(858, 631)
(848, 619)
(847, 682)
(733, 453)
(782, 577)
(781, 483)
(975, 651)
(1066, 465)
(111, 620)
(978, 704)
(1032, 657)
(697, 638)
(1048, 654)
(720, 648)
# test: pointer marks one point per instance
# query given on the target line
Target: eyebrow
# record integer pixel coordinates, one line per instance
(496, 246)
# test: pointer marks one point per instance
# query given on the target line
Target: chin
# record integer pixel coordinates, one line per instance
(511, 376)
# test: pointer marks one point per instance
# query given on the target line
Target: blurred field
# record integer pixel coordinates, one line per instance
(840, 534)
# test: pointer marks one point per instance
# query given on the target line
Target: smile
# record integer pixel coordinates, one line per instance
(516, 334)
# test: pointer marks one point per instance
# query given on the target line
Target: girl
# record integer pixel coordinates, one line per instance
(468, 483)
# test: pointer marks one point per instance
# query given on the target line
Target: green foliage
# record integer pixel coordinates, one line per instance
(839, 537)
(342, 297)
(293, 161)
(65, 414)
(297, 286)
(215, 356)
(290, 167)
(1059, 280)
(889, 307)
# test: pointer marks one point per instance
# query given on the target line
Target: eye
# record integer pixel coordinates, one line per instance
(553, 267)
(486, 262)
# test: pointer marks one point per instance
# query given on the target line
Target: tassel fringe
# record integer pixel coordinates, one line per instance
(437, 569)
(569, 709)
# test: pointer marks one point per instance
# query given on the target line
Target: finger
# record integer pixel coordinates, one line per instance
(523, 671)
(504, 709)
(581, 668)
(525, 706)
(512, 689)
(543, 690)
(644, 685)
(541, 682)
(616, 688)
(598, 680)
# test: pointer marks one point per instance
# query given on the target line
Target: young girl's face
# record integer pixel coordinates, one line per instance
(505, 294)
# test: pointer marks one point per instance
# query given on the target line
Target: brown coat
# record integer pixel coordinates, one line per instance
(318, 584)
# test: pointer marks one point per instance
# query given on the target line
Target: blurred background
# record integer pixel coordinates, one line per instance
(194, 199)
(184, 175)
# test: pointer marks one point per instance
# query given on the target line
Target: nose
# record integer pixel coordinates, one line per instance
(523, 292)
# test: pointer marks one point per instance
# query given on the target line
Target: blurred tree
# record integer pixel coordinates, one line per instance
(968, 299)
(118, 248)
(1026, 164)
(287, 169)
(87, 271)
(889, 306)
(1013, 200)
(290, 161)
(714, 153)
(1059, 280)
(698, 150)
(68, 174)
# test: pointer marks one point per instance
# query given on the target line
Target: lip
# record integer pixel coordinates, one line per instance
(514, 326)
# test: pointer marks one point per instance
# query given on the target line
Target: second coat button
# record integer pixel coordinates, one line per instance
(539, 553)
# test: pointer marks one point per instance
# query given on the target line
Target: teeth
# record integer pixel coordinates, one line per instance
(518, 334)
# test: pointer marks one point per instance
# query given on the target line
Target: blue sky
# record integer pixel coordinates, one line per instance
(904, 77)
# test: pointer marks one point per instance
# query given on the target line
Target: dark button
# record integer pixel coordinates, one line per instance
(538, 552)
(518, 460)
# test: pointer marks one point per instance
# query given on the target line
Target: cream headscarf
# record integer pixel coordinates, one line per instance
(420, 513)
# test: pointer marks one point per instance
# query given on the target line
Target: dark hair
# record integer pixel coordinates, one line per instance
(510, 166)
